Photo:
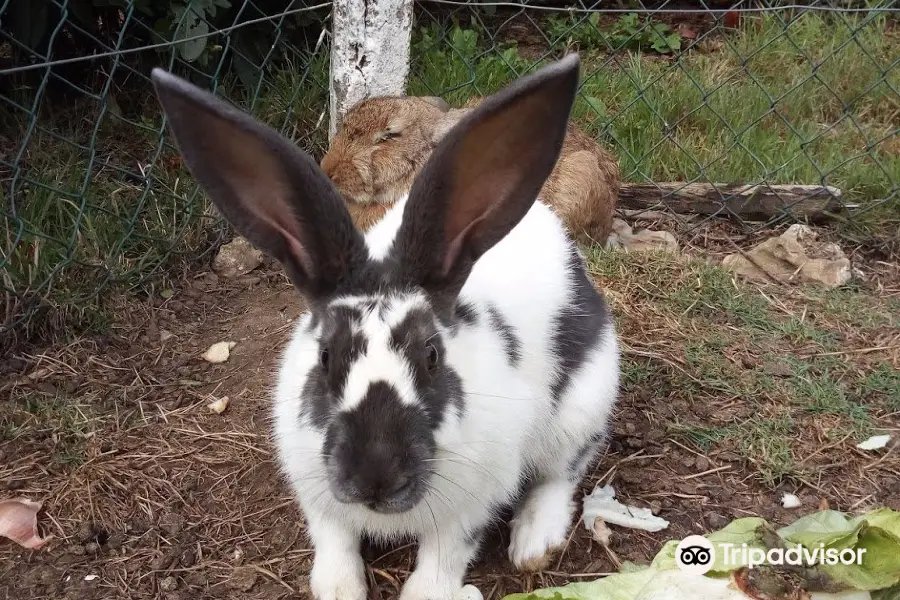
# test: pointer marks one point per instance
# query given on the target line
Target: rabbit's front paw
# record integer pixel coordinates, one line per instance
(338, 577)
(540, 526)
(423, 588)
(420, 586)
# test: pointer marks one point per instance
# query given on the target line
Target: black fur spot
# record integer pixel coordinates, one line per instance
(508, 333)
(325, 384)
(438, 386)
(578, 326)
(376, 453)
(465, 313)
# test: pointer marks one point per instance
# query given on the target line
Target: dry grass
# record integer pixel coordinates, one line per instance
(732, 395)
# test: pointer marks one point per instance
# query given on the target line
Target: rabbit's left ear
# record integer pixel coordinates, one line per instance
(272, 192)
(483, 177)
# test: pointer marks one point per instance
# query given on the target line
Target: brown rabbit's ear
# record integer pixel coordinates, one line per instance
(272, 192)
(436, 102)
(483, 177)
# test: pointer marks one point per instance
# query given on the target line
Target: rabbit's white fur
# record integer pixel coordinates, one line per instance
(509, 425)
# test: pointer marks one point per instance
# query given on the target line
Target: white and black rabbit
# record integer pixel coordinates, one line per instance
(454, 360)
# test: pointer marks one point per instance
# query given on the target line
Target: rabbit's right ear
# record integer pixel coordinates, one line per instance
(482, 178)
(270, 191)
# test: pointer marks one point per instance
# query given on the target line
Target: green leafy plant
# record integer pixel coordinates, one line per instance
(632, 31)
(629, 32)
(191, 24)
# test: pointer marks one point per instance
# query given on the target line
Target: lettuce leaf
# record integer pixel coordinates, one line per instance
(876, 534)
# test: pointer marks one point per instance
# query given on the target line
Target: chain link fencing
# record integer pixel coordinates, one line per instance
(695, 100)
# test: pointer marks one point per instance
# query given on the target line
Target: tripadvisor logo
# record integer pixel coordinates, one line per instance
(696, 555)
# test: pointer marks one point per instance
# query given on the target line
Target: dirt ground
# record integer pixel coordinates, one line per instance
(150, 494)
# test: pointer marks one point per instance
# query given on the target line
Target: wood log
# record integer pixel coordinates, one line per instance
(751, 202)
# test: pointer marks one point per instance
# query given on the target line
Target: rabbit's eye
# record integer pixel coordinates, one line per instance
(323, 358)
(388, 135)
(432, 356)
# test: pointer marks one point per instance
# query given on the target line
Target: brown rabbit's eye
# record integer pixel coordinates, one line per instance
(432, 356)
(388, 135)
(323, 358)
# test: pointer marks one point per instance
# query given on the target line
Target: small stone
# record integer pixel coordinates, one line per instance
(218, 406)
(218, 352)
(137, 526)
(169, 584)
(778, 369)
(115, 541)
(188, 558)
(237, 257)
(790, 501)
(716, 521)
(92, 547)
(702, 464)
(77, 549)
(161, 562)
(630, 428)
(654, 435)
(171, 523)
(242, 578)
(655, 506)
(86, 532)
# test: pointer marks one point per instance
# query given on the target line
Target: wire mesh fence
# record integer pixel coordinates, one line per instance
(95, 195)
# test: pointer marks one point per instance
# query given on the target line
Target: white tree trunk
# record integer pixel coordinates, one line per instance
(369, 53)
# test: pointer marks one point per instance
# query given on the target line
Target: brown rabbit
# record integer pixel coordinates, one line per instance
(384, 141)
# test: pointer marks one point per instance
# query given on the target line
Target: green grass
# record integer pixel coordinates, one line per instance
(57, 417)
(86, 222)
(766, 442)
(810, 101)
(704, 438)
(883, 382)
(755, 377)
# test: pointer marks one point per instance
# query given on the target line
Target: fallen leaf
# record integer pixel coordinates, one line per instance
(218, 406)
(876, 442)
(18, 522)
(218, 352)
(794, 256)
